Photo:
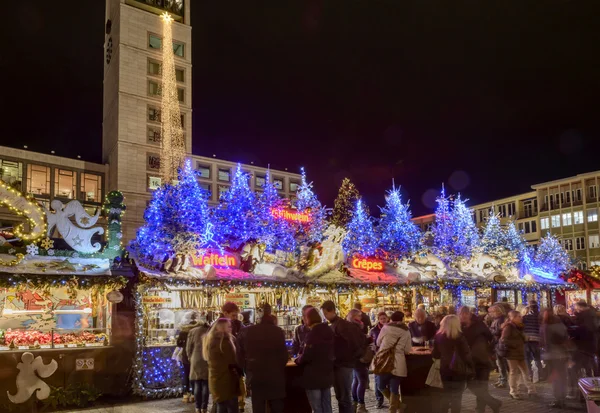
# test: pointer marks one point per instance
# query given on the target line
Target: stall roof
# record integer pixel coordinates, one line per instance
(52, 265)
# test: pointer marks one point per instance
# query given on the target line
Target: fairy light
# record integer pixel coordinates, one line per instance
(172, 140)
(16, 202)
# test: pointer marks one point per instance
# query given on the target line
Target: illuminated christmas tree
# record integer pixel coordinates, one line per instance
(443, 228)
(275, 233)
(493, 241)
(361, 238)
(398, 235)
(344, 204)
(515, 242)
(464, 230)
(176, 218)
(237, 219)
(307, 202)
(551, 256)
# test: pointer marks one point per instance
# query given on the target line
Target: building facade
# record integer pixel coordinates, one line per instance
(567, 208)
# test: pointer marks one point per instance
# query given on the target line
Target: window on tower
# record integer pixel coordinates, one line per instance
(38, 180)
(155, 43)
(91, 187)
(64, 183)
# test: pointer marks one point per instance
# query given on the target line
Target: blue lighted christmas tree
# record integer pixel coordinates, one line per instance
(515, 243)
(443, 228)
(493, 241)
(176, 218)
(237, 219)
(307, 202)
(398, 235)
(551, 257)
(360, 239)
(274, 233)
(464, 230)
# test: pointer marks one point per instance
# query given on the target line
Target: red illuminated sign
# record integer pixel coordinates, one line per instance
(215, 259)
(367, 264)
(291, 215)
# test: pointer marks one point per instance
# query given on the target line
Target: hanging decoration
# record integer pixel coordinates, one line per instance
(19, 205)
(77, 236)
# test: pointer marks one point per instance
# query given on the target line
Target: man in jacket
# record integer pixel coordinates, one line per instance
(480, 341)
(531, 322)
(198, 366)
(262, 353)
(300, 332)
(349, 344)
(421, 330)
(231, 311)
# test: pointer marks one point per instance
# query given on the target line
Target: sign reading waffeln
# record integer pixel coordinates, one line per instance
(215, 259)
(291, 215)
(367, 264)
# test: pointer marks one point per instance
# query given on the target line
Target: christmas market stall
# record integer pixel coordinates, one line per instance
(58, 284)
(257, 248)
(588, 283)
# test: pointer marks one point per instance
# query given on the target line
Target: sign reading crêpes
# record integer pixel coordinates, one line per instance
(291, 215)
(367, 264)
(216, 260)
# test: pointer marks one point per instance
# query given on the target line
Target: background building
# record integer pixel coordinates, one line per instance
(568, 208)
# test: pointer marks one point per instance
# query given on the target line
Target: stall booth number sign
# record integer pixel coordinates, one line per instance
(244, 300)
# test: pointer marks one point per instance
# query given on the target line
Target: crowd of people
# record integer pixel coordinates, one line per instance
(230, 357)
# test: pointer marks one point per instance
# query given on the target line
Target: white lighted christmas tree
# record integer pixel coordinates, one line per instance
(172, 140)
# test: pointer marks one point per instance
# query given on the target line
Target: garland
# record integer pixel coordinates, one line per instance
(72, 282)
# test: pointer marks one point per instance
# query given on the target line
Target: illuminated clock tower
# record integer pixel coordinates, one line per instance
(132, 82)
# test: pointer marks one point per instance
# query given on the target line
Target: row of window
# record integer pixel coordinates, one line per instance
(39, 178)
(528, 227)
(575, 195)
(155, 69)
(579, 242)
(224, 175)
(155, 91)
(568, 218)
(155, 43)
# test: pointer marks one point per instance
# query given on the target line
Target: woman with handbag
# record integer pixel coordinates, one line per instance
(456, 365)
(223, 372)
(512, 346)
(360, 374)
(394, 342)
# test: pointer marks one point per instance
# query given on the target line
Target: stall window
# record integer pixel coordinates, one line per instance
(12, 173)
(278, 183)
(224, 175)
(91, 187)
(64, 183)
(203, 170)
(38, 180)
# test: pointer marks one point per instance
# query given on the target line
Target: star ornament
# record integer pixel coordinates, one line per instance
(167, 18)
(77, 240)
(47, 244)
(84, 220)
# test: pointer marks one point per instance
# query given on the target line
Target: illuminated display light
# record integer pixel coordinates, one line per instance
(291, 215)
(19, 205)
(367, 264)
(216, 260)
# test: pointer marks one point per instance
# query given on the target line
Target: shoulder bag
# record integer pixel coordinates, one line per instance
(384, 360)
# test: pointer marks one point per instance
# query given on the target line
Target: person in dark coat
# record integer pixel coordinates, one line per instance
(421, 330)
(231, 311)
(364, 318)
(531, 323)
(561, 312)
(513, 344)
(498, 317)
(447, 341)
(585, 335)
(316, 361)
(349, 345)
(219, 350)
(188, 387)
(198, 366)
(382, 319)
(480, 341)
(263, 355)
(300, 332)
(554, 340)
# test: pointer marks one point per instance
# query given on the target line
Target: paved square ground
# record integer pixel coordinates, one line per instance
(538, 404)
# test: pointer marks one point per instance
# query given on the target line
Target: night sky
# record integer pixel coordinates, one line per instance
(487, 96)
